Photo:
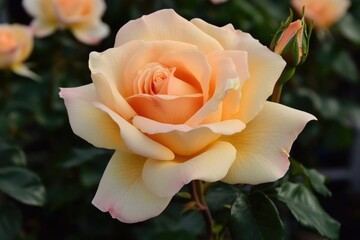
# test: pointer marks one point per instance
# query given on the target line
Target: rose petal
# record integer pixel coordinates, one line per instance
(166, 178)
(23, 70)
(122, 193)
(136, 141)
(189, 61)
(226, 79)
(103, 74)
(91, 34)
(160, 25)
(164, 108)
(263, 147)
(265, 67)
(26, 42)
(88, 122)
(39, 9)
(190, 64)
(183, 139)
(42, 28)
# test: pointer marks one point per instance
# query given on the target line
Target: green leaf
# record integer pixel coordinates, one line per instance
(255, 217)
(346, 67)
(80, 156)
(350, 28)
(174, 235)
(11, 156)
(312, 177)
(23, 185)
(307, 210)
(10, 221)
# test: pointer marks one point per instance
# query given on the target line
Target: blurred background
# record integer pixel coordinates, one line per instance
(60, 172)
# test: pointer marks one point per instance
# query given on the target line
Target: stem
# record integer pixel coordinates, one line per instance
(197, 192)
(277, 93)
(285, 76)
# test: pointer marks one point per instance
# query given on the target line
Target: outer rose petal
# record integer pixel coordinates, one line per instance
(102, 127)
(265, 66)
(91, 34)
(88, 122)
(183, 139)
(122, 193)
(136, 141)
(166, 24)
(263, 147)
(166, 178)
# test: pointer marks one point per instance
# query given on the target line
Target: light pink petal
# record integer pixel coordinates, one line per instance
(136, 141)
(166, 24)
(122, 193)
(164, 108)
(183, 139)
(265, 67)
(263, 147)
(166, 178)
(91, 34)
(88, 122)
(104, 75)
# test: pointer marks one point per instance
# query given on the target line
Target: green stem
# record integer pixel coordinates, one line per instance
(277, 93)
(197, 192)
(285, 76)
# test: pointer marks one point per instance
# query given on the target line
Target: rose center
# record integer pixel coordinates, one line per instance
(153, 79)
(7, 41)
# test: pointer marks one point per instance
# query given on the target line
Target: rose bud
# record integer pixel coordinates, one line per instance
(291, 41)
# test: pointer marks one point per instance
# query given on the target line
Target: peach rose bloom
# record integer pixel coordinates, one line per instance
(324, 13)
(181, 100)
(16, 44)
(82, 17)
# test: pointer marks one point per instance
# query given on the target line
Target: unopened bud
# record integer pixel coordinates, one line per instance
(291, 41)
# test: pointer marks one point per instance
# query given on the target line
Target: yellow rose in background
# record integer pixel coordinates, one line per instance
(16, 44)
(82, 17)
(181, 100)
(324, 13)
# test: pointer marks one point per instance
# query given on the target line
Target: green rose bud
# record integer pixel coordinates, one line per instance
(291, 41)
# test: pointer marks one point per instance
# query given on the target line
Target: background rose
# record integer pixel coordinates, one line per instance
(16, 44)
(178, 104)
(323, 13)
(82, 17)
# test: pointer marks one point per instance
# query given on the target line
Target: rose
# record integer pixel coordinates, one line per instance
(82, 17)
(179, 101)
(324, 13)
(16, 44)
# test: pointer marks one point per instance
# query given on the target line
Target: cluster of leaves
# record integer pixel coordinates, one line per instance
(262, 211)
(36, 139)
